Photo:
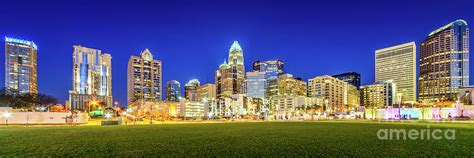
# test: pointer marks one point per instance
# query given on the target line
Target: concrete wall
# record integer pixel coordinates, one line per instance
(42, 118)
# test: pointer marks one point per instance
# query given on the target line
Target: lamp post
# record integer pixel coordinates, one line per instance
(92, 102)
(6, 115)
(399, 100)
(116, 108)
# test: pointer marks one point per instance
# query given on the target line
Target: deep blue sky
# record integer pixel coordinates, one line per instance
(192, 37)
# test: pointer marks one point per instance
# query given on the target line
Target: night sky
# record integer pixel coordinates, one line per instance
(192, 37)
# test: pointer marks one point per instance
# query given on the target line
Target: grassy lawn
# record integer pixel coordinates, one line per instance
(232, 139)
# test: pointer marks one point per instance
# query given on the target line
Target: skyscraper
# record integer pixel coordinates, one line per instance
(230, 78)
(144, 78)
(352, 78)
(444, 62)
(236, 60)
(256, 83)
(398, 63)
(271, 68)
(92, 78)
(20, 66)
(173, 91)
(190, 90)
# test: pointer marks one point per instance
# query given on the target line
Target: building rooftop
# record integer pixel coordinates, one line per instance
(459, 22)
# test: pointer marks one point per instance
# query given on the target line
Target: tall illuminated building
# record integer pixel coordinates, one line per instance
(271, 68)
(444, 62)
(144, 78)
(173, 91)
(20, 66)
(337, 94)
(230, 77)
(255, 84)
(92, 78)
(190, 90)
(398, 63)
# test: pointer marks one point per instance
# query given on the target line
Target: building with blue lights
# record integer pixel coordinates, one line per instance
(20, 66)
(352, 78)
(444, 62)
(271, 68)
(173, 91)
(92, 78)
(256, 84)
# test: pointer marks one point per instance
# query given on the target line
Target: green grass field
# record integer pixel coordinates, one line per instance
(289, 139)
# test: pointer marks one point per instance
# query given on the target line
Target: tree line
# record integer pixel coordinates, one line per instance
(13, 99)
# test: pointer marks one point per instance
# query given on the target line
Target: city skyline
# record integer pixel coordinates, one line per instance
(216, 50)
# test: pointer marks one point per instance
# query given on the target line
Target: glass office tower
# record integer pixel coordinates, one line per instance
(20, 66)
(444, 62)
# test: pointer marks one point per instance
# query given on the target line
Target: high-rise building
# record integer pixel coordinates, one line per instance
(230, 78)
(173, 91)
(190, 90)
(92, 78)
(144, 78)
(271, 68)
(20, 66)
(291, 86)
(336, 93)
(398, 63)
(256, 83)
(444, 62)
(352, 78)
(206, 91)
(271, 90)
(380, 94)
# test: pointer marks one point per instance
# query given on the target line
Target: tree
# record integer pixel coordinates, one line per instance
(44, 100)
(11, 98)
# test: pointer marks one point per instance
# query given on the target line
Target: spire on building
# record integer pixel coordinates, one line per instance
(235, 47)
(146, 55)
(224, 64)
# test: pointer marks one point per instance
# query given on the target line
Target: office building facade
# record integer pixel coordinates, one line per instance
(271, 68)
(144, 78)
(173, 91)
(20, 66)
(92, 78)
(190, 90)
(398, 63)
(256, 83)
(352, 78)
(206, 92)
(381, 94)
(444, 63)
(330, 89)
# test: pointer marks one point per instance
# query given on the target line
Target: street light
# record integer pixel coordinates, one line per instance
(6, 115)
(92, 102)
(108, 115)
